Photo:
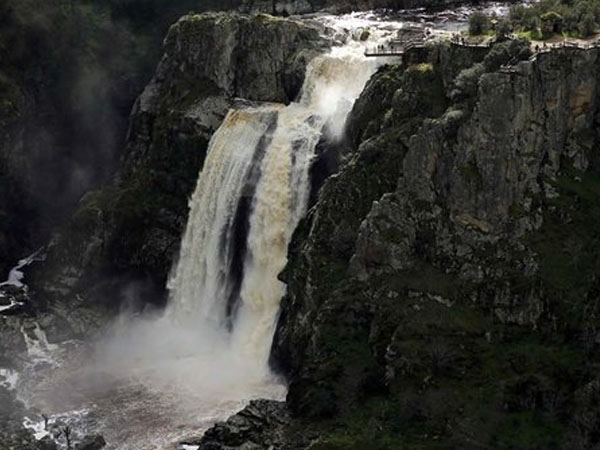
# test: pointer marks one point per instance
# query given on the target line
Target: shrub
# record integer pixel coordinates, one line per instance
(587, 26)
(552, 22)
(467, 81)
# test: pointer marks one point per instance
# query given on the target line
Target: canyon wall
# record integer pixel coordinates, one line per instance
(444, 287)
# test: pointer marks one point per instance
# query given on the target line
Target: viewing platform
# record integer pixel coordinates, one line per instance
(399, 48)
(393, 48)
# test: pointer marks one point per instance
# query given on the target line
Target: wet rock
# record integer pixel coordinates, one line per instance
(259, 426)
(93, 442)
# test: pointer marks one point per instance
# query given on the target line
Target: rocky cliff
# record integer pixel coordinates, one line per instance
(442, 293)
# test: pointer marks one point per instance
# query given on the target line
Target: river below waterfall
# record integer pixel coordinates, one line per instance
(152, 382)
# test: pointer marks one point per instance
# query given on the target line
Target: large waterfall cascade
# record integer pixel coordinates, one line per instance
(265, 151)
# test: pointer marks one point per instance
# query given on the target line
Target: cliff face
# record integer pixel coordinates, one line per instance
(131, 230)
(443, 290)
(66, 92)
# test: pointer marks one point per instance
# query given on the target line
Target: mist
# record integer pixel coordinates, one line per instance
(148, 380)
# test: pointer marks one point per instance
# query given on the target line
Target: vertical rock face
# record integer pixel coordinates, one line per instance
(131, 229)
(443, 289)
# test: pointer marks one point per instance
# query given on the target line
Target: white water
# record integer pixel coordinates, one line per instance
(15, 276)
(206, 249)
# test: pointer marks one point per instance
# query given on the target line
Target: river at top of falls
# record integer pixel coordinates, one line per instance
(152, 382)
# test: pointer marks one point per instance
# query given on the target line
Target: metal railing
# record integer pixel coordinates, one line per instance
(394, 48)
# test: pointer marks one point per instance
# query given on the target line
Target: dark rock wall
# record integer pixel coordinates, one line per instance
(442, 293)
(68, 78)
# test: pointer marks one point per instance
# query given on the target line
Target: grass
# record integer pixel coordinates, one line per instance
(422, 67)
(532, 35)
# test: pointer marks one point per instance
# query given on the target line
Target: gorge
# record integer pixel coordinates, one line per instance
(357, 253)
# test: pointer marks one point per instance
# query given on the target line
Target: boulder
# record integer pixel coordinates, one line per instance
(92, 442)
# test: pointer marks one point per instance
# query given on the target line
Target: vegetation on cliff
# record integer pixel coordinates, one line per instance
(543, 20)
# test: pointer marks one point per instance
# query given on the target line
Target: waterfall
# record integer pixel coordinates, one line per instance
(201, 284)
(250, 196)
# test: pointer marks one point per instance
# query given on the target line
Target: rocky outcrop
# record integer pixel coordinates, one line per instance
(129, 232)
(261, 425)
(443, 289)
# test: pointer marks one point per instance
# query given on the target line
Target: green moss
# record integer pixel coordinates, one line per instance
(422, 67)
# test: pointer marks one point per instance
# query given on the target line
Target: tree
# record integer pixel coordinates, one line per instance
(478, 23)
(587, 26)
(503, 29)
(551, 22)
